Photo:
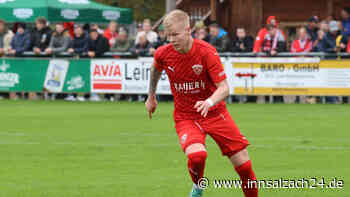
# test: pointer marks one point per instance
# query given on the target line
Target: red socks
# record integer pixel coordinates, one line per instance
(246, 173)
(196, 164)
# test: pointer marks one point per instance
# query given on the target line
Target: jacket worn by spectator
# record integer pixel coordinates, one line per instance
(327, 44)
(5, 39)
(142, 49)
(21, 42)
(161, 42)
(41, 38)
(221, 44)
(110, 36)
(312, 33)
(247, 42)
(300, 46)
(80, 44)
(151, 36)
(59, 42)
(277, 42)
(122, 46)
(99, 46)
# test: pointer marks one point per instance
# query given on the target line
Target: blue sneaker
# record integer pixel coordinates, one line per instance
(196, 191)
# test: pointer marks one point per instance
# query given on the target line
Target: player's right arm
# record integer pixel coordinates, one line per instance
(156, 72)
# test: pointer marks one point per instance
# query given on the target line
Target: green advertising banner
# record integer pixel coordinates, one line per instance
(36, 75)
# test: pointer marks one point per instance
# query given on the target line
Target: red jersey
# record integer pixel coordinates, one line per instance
(192, 77)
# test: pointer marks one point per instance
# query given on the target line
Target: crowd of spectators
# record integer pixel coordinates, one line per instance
(328, 35)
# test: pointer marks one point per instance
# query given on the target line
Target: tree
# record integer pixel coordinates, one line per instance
(153, 9)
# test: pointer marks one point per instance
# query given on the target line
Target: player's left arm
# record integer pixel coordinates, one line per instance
(218, 76)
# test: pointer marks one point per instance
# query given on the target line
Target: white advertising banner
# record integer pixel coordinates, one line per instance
(288, 76)
(129, 76)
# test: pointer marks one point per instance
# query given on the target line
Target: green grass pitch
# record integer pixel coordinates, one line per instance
(62, 149)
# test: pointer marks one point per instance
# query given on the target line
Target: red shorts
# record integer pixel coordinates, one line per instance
(221, 128)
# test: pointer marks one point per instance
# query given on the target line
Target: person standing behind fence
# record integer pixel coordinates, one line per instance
(303, 44)
(40, 36)
(123, 43)
(151, 36)
(79, 44)
(6, 36)
(311, 28)
(271, 20)
(97, 44)
(111, 33)
(274, 41)
(20, 42)
(60, 41)
(142, 48)
(242, 43)
(220, 43)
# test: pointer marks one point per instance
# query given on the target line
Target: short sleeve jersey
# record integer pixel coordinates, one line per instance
(192, 77)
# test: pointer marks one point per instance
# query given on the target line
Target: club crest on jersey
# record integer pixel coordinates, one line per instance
(197, 69)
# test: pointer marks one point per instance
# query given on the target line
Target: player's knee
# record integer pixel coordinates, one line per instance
(197, 158)
(196, 147)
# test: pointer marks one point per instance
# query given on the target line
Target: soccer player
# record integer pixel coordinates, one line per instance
(199, 85)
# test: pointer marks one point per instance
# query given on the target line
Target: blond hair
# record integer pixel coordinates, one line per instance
(177, 17)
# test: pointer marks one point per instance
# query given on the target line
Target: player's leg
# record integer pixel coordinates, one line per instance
(192, 140)
(233, 145)
(244, 169)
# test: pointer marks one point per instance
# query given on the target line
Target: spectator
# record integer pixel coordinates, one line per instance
(341, 41)
(242, 42)
(312, 28)
(111, 33)
(345, 14)
(60, 40)
(79, 45)
(334, 30)
(303, 43)
(151, 36)
(201, 33)
(5, 38)
(143, 47)
(274, 41)
(271, 20)
(323, 43)
(122, 44)
(40, 36)
(69, 26)
(20, 42)
(162, 39)
(221, 44)
(97, 44)
(97, 28)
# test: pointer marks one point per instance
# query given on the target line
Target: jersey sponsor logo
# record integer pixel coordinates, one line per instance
(197, 69)
(189, 87)
(171, 68)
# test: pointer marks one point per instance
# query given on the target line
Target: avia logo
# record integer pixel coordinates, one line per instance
(4, 66)
(108, 70)
(5, 1)
(75, 1)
